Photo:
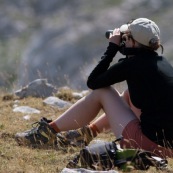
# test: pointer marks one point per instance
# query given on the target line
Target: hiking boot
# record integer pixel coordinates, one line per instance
(40, 135)
(78, 138)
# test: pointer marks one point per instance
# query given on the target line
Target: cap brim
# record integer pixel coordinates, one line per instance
(124, 28)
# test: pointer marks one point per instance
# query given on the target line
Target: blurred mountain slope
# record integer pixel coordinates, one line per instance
(63, 40)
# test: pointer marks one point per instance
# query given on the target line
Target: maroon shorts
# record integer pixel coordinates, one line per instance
(134, 138)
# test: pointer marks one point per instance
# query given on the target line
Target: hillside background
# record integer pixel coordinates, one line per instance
(63, 40)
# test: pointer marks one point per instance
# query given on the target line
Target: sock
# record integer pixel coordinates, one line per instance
(54, 126)
(94, 129)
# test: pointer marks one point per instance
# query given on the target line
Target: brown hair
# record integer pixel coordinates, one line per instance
(153, 45)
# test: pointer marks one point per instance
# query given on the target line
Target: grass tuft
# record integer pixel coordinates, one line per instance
(20, 159)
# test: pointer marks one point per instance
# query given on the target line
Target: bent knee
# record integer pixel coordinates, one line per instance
(106, 90)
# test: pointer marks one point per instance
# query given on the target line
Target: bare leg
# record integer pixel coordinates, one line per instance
(85, 110)
(117, 115)
(102, 122)
(80, 114)
(126, 97)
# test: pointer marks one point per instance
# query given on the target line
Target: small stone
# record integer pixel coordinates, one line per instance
(26, 109)
(56, 102)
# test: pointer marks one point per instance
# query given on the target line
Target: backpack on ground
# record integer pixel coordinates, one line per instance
(108, 155)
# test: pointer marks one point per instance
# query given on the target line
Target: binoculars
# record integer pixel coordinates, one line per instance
(108, 32)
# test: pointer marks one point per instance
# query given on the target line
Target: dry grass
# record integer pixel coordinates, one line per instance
(17, 159)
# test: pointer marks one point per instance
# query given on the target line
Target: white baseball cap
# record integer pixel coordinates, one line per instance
(143, 30)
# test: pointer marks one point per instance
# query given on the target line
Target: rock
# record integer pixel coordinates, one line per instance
(79, 95)
(79, 170)
(26, 109)
(26, 117)
(37, 88)
(56, 102)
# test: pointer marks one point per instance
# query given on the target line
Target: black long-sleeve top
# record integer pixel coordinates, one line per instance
(150, 82)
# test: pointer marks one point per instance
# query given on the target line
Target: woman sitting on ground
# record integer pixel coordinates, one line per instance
(143, 115)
